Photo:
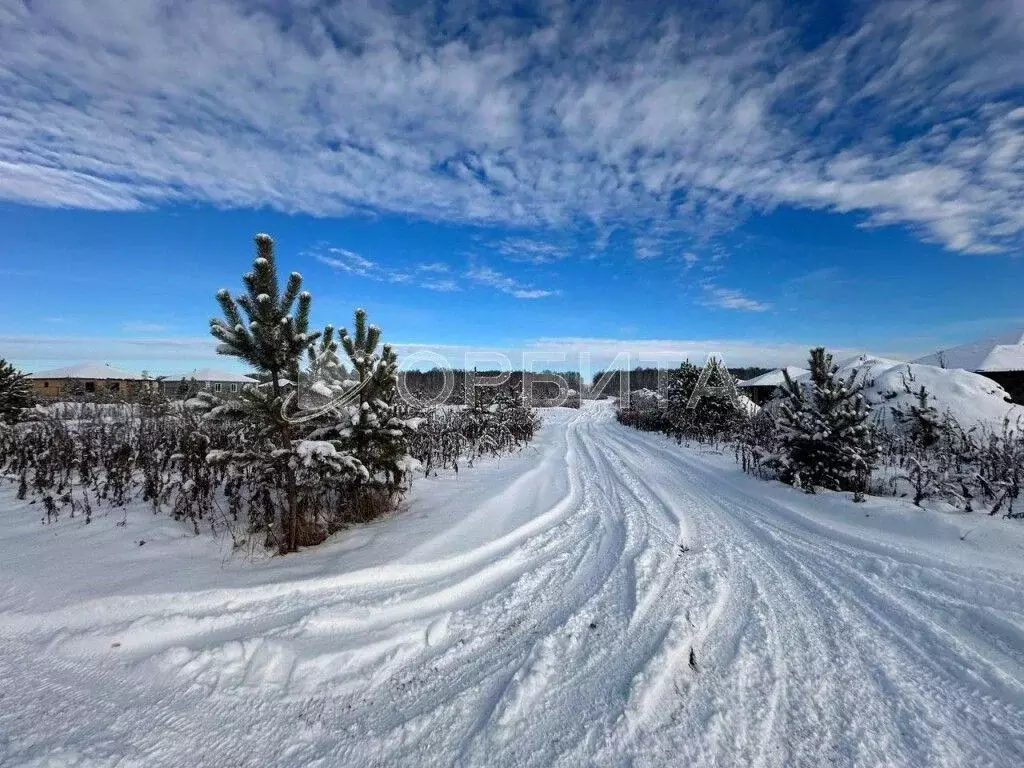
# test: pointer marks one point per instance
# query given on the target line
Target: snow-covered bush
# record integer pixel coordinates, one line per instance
(87, 457)
(715, 416)
(975, 469)
(447, 436)
(646, 411)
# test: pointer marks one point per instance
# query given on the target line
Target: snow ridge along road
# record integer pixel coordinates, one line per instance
(603, 598)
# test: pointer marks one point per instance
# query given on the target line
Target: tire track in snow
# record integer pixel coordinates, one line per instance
(902, 706)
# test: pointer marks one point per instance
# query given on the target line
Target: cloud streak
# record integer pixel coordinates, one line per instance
(508, 284)
(429, 276)
(568, 114)
(523, 249)
(730, 298)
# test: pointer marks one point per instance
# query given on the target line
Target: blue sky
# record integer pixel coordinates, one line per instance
(745, 179)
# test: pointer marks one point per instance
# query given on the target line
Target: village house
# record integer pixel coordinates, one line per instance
(762, 388)
(219, 382)
(1000, 358)
(88, 379)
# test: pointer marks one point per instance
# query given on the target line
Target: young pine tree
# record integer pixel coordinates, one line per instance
(275, 333)
(713, 414)
(360, 411)
(272, 337)
(922, 420)
(826, 440)
(377, 435)
(923, 468)
(15, 392)
(677, 398)
(324, 371)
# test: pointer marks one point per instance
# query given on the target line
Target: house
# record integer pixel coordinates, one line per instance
(761, 388)
(209, 379)
(88, 379)
(1000, 358)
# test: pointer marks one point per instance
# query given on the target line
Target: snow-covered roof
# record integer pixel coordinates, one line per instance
(213, 374)
(88, 371)
(774, 378)
(999, 353)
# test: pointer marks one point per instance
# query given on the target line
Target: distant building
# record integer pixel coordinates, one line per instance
(1000, 358)
(205, 379)
(88, 379)
(762, 388)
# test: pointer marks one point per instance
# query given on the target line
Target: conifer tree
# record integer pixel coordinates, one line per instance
(677, 397)
(319, 435)
(15, 392)
(377, 433)
(324, 367)
(922, 420)
(712, 415)
(826, 439)
(924, 469)
(273, 340)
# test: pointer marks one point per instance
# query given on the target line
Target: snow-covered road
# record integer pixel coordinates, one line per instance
(604, 598)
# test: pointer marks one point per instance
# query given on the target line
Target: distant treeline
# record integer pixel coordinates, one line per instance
(608, 383)
(541, 386)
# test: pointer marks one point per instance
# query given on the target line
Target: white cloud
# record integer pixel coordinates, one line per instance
(351, 262)
(646, 248)
(594, 114)
(421, 275)
(441, 286)
(728, 298)
(531, 251)
(507, 283)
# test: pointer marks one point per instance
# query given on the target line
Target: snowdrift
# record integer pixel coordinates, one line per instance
(889, 385)
(971, 399)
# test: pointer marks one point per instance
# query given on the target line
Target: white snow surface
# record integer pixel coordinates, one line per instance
(999, 353)
(541, 609)
(774, 378)
(970, 398)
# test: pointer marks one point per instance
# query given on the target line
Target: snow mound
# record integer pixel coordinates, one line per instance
(890, 385)
(774, 378)
(971, 399)
(867, 368)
